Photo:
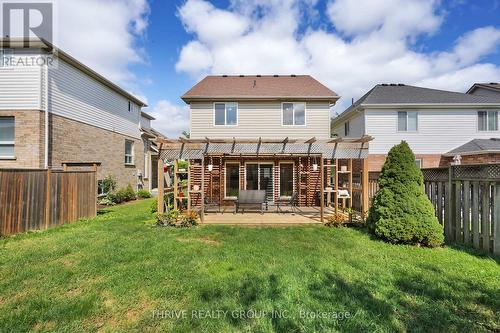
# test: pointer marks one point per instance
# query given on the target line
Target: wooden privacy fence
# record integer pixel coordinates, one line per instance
(38, 199)
(466, 199)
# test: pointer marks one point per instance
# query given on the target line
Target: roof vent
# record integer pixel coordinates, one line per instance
(224, 75)
(494, 83)
(293, 75)
(276, 75)
(242, 75)
(258, 75)
(393, 84)
(401, 84)
(495, 139)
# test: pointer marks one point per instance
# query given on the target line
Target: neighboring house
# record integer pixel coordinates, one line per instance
(267, 133)
(477, 151)
(491, 89)
(433, 122)
(66, 114)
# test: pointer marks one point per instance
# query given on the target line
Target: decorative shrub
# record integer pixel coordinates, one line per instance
(144, 194)
(336, 220)
(106, 202)
(188, 219)
(168, 219)
(122, 195)
(401, 212)
(108, 184)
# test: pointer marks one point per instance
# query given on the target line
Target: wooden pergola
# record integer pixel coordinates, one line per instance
(331, 154)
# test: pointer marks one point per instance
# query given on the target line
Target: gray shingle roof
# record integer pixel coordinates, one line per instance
(477, 146)
(404, 94)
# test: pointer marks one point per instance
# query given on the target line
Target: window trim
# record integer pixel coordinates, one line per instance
(487, 123)
(225, 179)
(305, 113)
(407, 130)
(9, 143)
(131, 155)
(293, 178)
(225, 114)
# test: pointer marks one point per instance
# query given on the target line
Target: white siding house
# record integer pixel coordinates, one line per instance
(436, 121)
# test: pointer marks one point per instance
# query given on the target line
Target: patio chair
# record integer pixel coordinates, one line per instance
(211, 204)
(288, 201)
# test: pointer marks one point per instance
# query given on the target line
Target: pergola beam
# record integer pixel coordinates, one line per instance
(311, 140)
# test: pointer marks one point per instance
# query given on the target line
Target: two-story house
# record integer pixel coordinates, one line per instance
(264, 133)
(433, 122)
(56, 112)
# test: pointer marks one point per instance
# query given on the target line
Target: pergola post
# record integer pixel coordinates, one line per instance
(364, 186)
(349, 167)
(161, 185)
(322, 189)
(202, 212)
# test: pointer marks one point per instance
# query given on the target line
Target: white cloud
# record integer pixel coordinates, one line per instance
(171, 119)
(103, 34)
(372, 42)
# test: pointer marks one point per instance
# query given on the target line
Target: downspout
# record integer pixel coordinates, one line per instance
(46, 106)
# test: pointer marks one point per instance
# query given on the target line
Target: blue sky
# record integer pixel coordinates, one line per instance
(158, 49)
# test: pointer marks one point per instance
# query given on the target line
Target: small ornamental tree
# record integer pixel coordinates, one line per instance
(401, 212)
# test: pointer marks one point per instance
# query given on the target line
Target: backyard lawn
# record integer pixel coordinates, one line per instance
(119, 273)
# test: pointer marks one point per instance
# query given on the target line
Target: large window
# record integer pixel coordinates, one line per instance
(226, 114)
(487, 120)
(7, 137)
(286, 179)
(232, 183)
(129, 152)
(293, 114)
(407, 121)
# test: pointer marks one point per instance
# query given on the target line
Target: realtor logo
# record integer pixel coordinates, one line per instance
(27, 20)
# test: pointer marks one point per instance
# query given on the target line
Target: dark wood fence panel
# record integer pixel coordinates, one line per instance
(38, 199)
(466, 200)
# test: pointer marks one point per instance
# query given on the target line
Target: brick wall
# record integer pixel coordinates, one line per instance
(72, 141)
(29, 139)
(474, 159)
(376, 161)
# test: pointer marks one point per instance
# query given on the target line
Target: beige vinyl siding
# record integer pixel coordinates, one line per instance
(20, 86)
(356, 126)
(78, 96)
(261, 119)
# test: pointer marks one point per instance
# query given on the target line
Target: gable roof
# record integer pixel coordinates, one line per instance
(477, 146)
(259, 87)
(404, 95)
(491, 86)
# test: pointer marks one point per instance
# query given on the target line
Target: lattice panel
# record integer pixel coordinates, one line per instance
(435, 174)
(477, 172)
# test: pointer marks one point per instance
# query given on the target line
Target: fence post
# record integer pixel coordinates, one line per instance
(496, 220)
(161, 184)
(449, 206)
(47, 197)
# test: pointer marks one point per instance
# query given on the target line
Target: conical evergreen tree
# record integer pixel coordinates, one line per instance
(401, 212)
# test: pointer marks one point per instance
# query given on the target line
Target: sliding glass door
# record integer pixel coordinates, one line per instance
(259, 176)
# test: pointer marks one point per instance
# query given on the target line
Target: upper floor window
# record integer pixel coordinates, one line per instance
(407, 121)
(129, 152)
(419, 162)
(6, 57)
(487, 120)
(293, 114)
(7, 137)
(347, 128)
(226, 114)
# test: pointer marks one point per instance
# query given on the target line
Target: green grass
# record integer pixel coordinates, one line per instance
(113, 272)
